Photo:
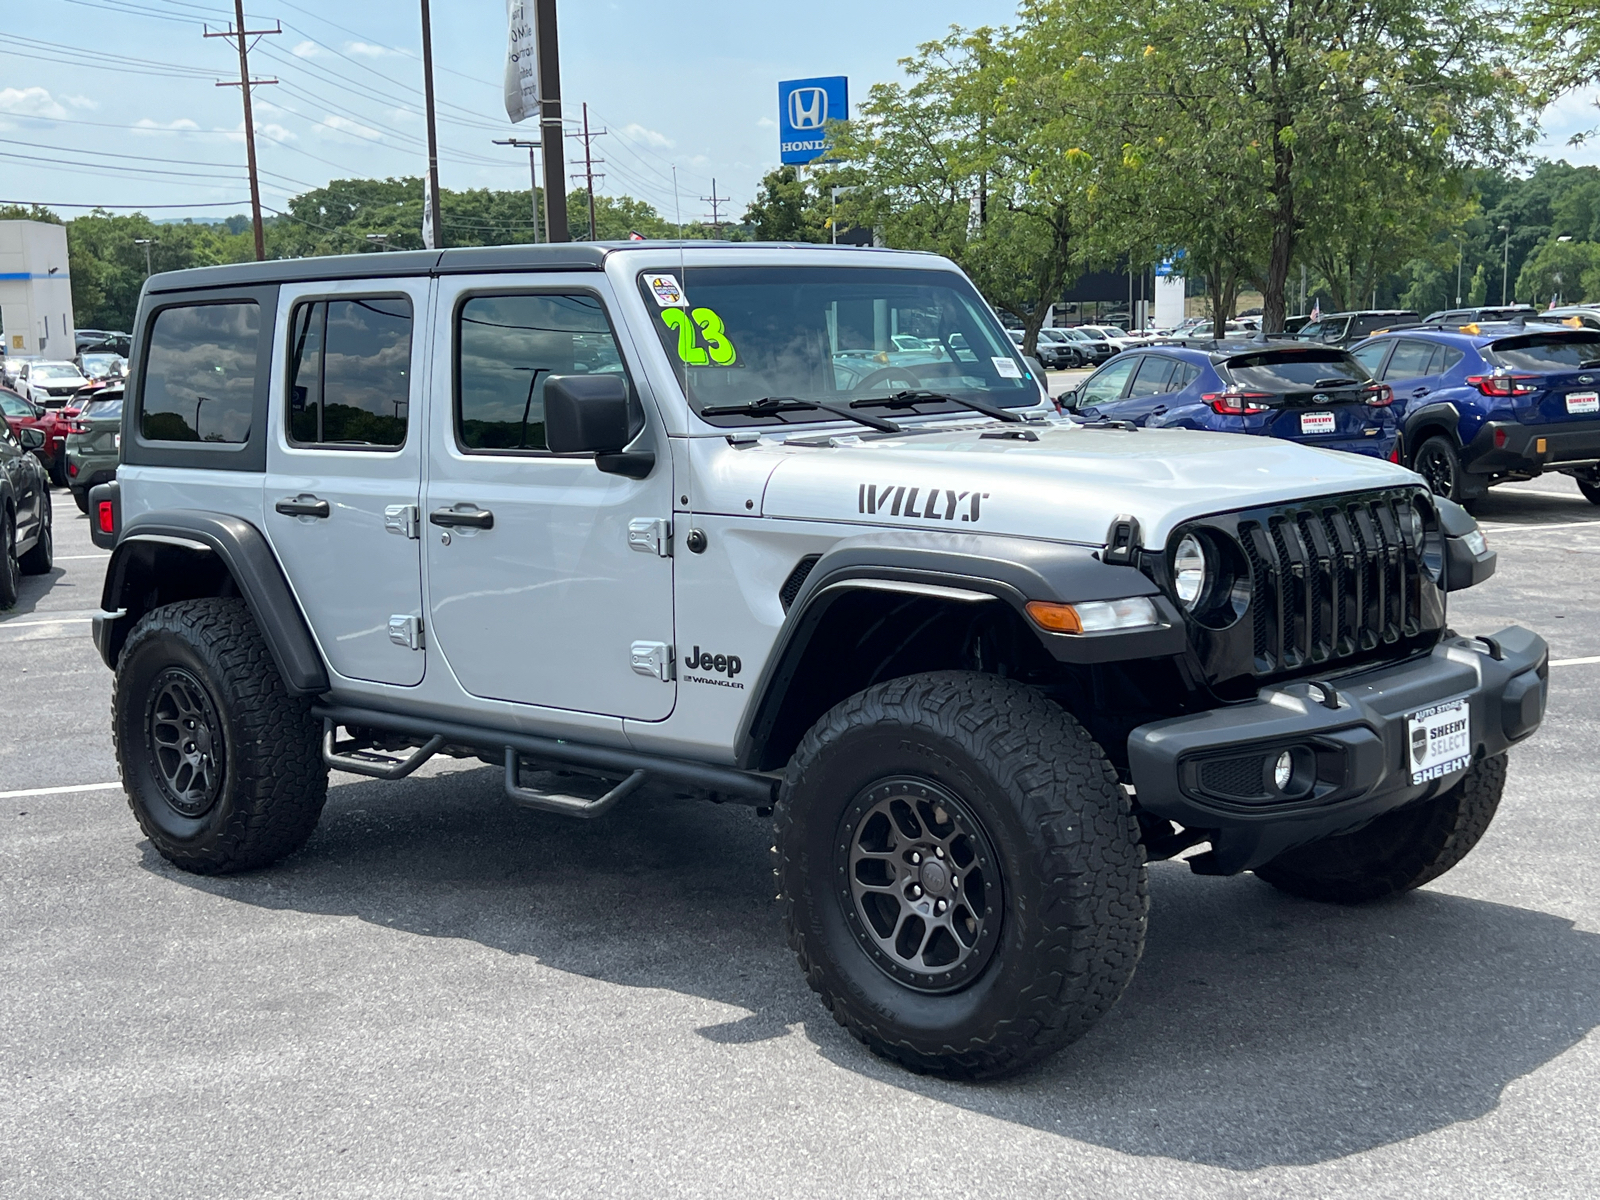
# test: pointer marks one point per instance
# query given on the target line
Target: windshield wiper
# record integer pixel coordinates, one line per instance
(772, 405)
(910, 397)
(1590, 362)
(1336, 381)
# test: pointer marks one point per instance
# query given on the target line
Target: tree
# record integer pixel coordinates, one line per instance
(787, 209)
(1569, 271)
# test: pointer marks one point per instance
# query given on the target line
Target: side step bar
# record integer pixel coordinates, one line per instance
(747, 787)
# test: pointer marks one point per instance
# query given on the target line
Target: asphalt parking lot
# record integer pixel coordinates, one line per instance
(444, 995)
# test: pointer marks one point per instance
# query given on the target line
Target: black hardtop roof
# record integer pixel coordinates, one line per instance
(464, 260)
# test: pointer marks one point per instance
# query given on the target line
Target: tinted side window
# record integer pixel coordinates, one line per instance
(200, 373)
(1107, 385)
(1370, 356)
(1154, 374)
(1184, 376)
(507, 347)
(1410, 359)
(1448, 357)
(350, 372)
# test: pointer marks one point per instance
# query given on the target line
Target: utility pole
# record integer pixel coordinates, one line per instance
(433, 137)
(589, 161)
(146, 243)
(1505, 263)
(238, 34)
(714, 200)
(550, 127)
(533, 175)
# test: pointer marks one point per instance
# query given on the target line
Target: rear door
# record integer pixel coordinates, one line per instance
(344, 469)
(1148, 391)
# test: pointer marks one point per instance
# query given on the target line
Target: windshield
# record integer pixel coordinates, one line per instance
(1547, 352)
(53, 371)
(97, 363)
(736, 335)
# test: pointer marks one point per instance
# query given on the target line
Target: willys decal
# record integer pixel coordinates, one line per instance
(928, 504)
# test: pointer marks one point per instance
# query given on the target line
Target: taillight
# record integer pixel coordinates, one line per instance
(1379, 395)
(72, 468)
(1504, 385)
(106, 517)
(74, 427)
(1237, 404)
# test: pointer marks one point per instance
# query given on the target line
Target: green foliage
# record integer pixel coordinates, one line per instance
(788, 209)
(108, 264)
(1569, 271)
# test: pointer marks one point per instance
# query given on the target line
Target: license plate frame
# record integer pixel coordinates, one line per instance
(1439, 740)
(1583, 403)
(1317, 423)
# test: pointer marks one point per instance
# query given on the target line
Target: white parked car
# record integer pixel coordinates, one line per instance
(48, 382)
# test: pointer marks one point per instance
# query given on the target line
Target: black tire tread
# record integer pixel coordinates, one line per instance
(41, 558)
(1397, 852)
(1068, 793)
(280, 782)
(10, 572)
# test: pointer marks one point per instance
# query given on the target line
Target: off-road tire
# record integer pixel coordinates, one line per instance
(1437, 461)
(1074, 886)
(1590, 490)
(272, 783)
(41, 558)
(1400, 850)
(10, 571)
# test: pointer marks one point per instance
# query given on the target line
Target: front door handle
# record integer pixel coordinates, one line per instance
(454, 518)
(302, 506)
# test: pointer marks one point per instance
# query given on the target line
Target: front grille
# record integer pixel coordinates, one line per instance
(1234, 778)
(1332, 579)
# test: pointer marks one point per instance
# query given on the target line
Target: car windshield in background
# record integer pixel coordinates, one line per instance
(54, 374)
(1283, 372)
(96, 364)
(97, 410)
(830, 335)
(1547, 352)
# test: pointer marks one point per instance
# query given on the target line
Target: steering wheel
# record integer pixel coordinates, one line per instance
(885, 374)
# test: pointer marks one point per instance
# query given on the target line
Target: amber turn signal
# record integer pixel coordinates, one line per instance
(1057, 618)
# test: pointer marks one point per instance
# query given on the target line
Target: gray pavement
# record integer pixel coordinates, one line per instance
(442, 995)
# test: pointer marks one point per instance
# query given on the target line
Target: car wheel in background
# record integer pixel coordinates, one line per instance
(1437, 462)
(80, 497)
(41, 558)
(1590, 487)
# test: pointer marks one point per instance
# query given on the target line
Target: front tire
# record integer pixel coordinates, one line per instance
(1399, 851)
(41, 558)
(961, 873)
(222, 767)
(10, 570)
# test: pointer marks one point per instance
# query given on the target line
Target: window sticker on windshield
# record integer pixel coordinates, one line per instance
(1006, 368)
(717, 351)
(666, 290)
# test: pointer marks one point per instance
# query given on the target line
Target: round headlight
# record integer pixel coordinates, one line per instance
(1190, 570)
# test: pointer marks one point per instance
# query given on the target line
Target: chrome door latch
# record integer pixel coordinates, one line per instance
(652, 658)
(406, 630)
(403, 519)
(650, 535)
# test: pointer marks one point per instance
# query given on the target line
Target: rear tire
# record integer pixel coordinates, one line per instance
(10, 571)
(41, 558)
(1437, 462)
(81, 499)
(999, 791)
(1591, 491)
(222, 767)
(1399, 851)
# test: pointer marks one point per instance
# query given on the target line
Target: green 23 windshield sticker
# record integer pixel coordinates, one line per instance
(718, 349)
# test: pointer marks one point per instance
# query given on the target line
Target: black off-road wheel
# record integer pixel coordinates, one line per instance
(10, 570)
(1399, 851)
(960, 873)
(222, 766)
(1437, 462)
(41, 558)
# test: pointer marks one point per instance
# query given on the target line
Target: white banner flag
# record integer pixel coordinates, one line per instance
(522, 62)
(428, 239)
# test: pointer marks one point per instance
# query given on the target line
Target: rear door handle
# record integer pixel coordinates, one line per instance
(302, 506)
(453, 518)
(1420, 391)
(1158, 410)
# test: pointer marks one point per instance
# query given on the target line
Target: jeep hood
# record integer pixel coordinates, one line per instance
(1067, 486)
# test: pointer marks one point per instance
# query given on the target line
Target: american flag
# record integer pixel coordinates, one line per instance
(1316, 310)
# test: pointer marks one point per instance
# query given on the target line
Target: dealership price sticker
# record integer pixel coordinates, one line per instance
(1440, 740)
(1316, 422)
(1583, 402)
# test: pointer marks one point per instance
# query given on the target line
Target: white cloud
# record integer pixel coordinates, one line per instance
(649, 137)
(766, 123)
(266, 131)
(306, 50)
(367, 49)
(81, 102)
(30, 102)
(403, 116)
(146, 125)
(336, 124)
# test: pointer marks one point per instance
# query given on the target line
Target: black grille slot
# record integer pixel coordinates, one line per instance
(1240, 778)
(797, 580)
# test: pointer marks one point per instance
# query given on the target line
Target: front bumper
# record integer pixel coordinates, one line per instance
(1350, 743)
(1531, 448)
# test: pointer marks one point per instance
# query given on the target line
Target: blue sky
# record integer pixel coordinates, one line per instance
(676, 83)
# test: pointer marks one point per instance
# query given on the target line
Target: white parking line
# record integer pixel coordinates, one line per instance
(1576, 662)
(76, 557)
(61, 791)
(4, 625)
(1537, 528)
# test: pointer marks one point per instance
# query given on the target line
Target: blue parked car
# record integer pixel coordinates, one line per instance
(1315, 394)
(1482, 404)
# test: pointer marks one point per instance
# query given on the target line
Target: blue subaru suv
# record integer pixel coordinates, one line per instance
(1316, 394)
(1481, 404)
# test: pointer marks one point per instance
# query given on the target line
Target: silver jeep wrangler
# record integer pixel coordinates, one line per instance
(799, 527)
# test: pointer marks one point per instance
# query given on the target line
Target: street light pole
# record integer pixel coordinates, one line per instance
(1461, 254)
(533, 176)
(1505, 264)
(550, 125)
(146, 243)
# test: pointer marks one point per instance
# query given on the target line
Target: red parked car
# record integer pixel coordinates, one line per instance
(20, 414)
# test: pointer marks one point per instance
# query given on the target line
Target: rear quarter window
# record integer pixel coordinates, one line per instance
(1546, 352)
(200, 373)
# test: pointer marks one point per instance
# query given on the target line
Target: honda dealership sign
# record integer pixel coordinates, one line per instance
(805, 106)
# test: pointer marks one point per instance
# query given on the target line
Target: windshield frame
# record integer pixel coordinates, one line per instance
(1029, 395)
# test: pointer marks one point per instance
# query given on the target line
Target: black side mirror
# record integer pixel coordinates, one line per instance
(31, 437)
(1068, 398)
(589, 414)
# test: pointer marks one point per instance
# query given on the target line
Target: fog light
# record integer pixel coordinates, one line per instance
(1283, 771)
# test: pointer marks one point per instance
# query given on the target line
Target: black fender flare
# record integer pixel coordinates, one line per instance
(243, 553)
(1440, 412)
(966, 569)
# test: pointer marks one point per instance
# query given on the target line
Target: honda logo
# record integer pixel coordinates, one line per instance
(808, 108)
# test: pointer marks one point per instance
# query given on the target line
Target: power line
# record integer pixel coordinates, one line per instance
(589, 161)
(714, 200)
(236, 34)
(131, 207)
